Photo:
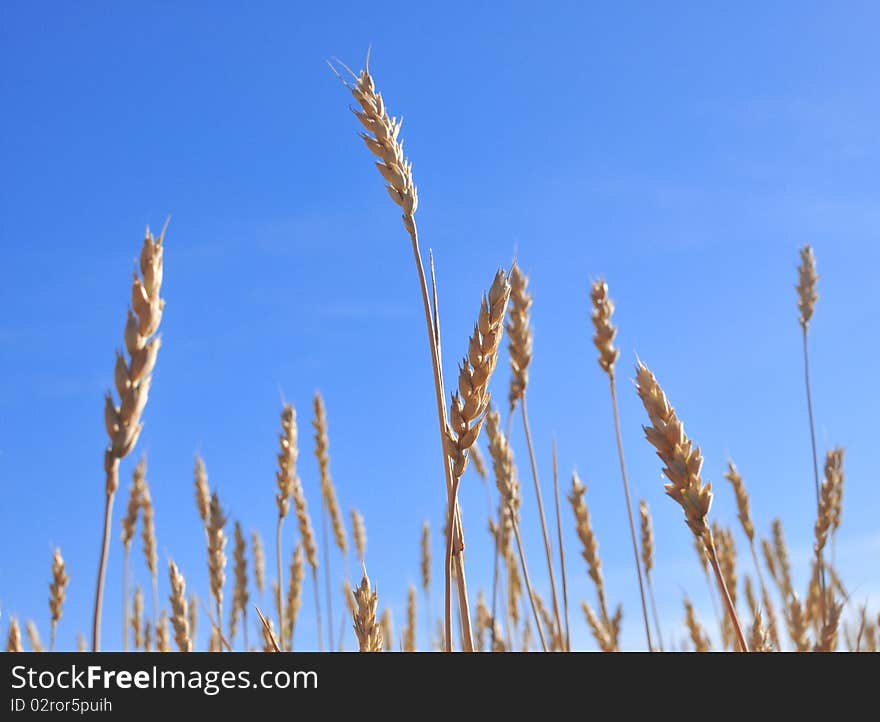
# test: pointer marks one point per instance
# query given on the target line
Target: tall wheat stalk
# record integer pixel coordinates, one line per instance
(603, 339)
(682, 467)
(519, 334)
(57, 594)
(382, 139)
(561, 547)
(807, 297)
(132, 380)
(647, 528)
(129, 521)
(286, 479)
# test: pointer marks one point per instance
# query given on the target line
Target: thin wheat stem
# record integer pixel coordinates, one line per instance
(522, 560)
(654, 610)
(629, 514)
(561, 548)
(725, 594)
(317, 609)
(815, 459)
(102, 562)
(327, 576)
(278, 600)
(125, 615)
(547, 549)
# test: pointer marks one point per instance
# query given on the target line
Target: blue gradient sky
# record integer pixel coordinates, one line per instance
(685, 152)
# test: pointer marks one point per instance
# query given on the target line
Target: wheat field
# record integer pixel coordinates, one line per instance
(259, 593)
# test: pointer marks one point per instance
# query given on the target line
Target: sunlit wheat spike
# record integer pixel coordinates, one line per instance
(603, 308)
(387, 624)
(647, 536)
(514, 584)
(797, 624)
(240, 595)
(682, 460)
(217, 551)
(382, 138)
(698, 635)
(359, 532)
(13, 639)
(304, 522)
(742, 499)
(471, 401)
(484, 622)
(193, 616)
(590, 544)
(33, 636)
(409, 632)
(203, 491)
(759, 637)
(367, 629)
(269, 637)
(806, 287)
(426, 556)
(328, 490)
(783, 566)
(294, 594)
(519, 334)
(148, 531)
(137, 615)
(162, 644)
(605, 634)
(506, 478)
(828, 496)
(57, 592)
(81, 645)
(132, 378)
(179, 609)
(129, 521)
(287, 456)
(259, 561)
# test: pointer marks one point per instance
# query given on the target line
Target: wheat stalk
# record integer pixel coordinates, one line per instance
(698, 635)
(307, 536)
(745, 518)
(294, 594)
(259, 561)
(647, 533)
(807, 297)
(605, 628)
(682, 467)
(162, 644)
(603, 308)
(286, 478)
(520, 352)
(507, 481)
(359, 532)
(137, 617)
(193, 615)
(797, 624)
(148, 537)
(13, 640)
(781, 566)
(82, 644)
(759, 637)
(132, 380)
(217, 553)
(179, 610)
(129, 521)
(368, 631)
(409, 632)
(203, 492)
(240, 595)
(387, 624)
(561, 547)
(33, 636)
(382, 138)
(57, 594)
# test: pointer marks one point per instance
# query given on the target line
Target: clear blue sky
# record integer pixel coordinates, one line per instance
(683, 152)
